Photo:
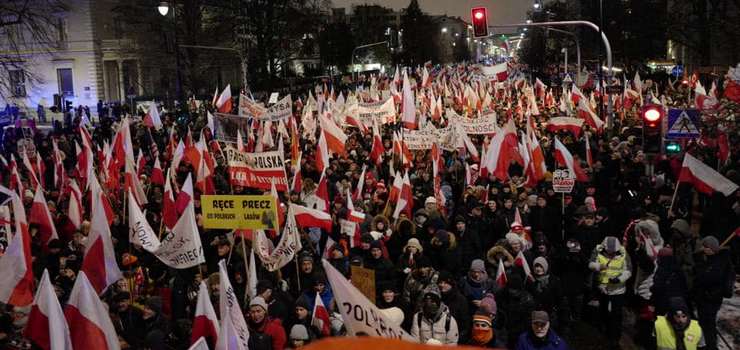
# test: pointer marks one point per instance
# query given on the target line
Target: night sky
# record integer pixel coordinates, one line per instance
(499, 11)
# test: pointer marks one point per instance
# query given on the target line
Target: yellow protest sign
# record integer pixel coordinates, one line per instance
(239, 212)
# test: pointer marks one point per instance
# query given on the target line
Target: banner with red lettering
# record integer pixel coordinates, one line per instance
(257, 170)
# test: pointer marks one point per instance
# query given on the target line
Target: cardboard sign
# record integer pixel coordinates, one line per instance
(563, 181)
(257, 170)
(239, 212)
(364, 280)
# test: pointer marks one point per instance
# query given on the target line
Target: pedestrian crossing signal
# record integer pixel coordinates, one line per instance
(652, 128)
(672, 148)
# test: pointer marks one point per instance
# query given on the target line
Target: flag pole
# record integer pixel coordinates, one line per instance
(246, 268)
(729, 238)
(675, 192)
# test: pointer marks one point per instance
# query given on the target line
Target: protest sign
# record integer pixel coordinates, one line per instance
(281, 110)
(360, 315)
(563, 181)
(419, 139)
(239, 212)
(485, 124)
(283, 253)
(364, 280)
(257, 170)
(384, 112)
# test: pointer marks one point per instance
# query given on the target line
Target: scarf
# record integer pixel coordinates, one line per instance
(482, 336)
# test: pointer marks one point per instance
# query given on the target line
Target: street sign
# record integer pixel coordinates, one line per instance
(683, 124)
(677, 71)
(614, 89)
(568, 79)
(563, 181)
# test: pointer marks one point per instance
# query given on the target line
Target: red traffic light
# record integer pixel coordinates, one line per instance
(480, 21)
(652, 115)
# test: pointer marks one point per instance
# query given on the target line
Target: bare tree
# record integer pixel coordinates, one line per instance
(26, 26)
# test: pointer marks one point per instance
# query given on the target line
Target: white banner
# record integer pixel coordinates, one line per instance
(140, 232)
(181, 248)
(485, 124)
(360, 316)
(420, 139)
(281, 110)
(287, 247)
(384, 112)
(347, 227)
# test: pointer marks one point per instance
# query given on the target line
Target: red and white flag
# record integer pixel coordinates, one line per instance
(47, 328)
(589, 156)
(322, 192)
(408, 107)
(322, 153)
(297, 181)
(157, 177)
(334, 136)
(41, 216)
(320, 317)
(521, 261)
(75, 210)
(360, 184)
(233, 334)
(132, 183)
(499, 71)
(99, 263)
(501, 275)
(704, 178)
(32, 176)
(152, 119)
(376, 152)
(406, 200)
(224, 103)
(307, 217)
(573, 125)
(500, 152)
(60, 175)
(169, 210)
(205, 322)
(565, 158)
(16, 279)
(90, 326)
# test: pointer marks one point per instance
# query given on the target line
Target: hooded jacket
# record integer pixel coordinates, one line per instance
(618, 267)
(442, 326)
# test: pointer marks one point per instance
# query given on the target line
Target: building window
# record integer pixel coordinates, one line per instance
(64, 78)
(61, 27)
(17, 82)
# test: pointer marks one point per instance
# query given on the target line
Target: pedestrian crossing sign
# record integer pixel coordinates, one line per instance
(682, 124)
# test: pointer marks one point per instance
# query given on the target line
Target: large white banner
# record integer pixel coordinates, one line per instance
(384, 112)
(287, 247)
(360, 316)
(485, 124)
(281, 110)
(181, 248)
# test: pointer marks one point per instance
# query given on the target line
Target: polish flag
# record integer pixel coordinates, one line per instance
(322, 153)
(47, 328)
(360, 184)
(500, 152)
(702, 100)
(90, 325)
(31, 172)
(322, 192)
(705, 179)
(177, 155)
(224, 104)
(353, 215)
(307, 217)
(185, 195)
(335, 137)
(240, 142)
(205, 323)
(573, 125)
(131, 183)
(41, 216)
(41, 169)
(522, 262)
(563, 156)
(152, 119)
(589, 156)
(537, 165)
(395, 190)
(405, 199)
(16, 279)
(500, 71)
(99, 263)
(501, 275)
(376, 153)
(97, 195)
(585, 112)
(60, 175)
(75, 211)
(320, 317)
(280, 206)
(169, 212)
(157, 177)
(234, 333)
(470, 147)
(539, 88)
(140, 163)
(15, 178)
(408, 107)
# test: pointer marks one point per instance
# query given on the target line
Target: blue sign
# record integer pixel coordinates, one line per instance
(677, 71)
(683, 124)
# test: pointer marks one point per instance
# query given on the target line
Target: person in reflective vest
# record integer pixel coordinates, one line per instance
(676, 330)
(612, 268)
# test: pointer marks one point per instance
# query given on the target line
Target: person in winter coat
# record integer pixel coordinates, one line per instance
(547, 292)
(546, 219)
(540, 336)
(456, 303)
(384, 269)
(516, 305)
(468, 241)
(302, 316)
(495, 227)
(613, 268)
(587, 232)
(498, 253)
(714, 281)
(482, 334)
(476, 283)
(265, 333)
(319, 286)
(683, 244)
(404, 230)
(444, 252)
(155, 325)
(417, 281)
(412, 251)
(669, 282)
(570, 266)
(434, 321)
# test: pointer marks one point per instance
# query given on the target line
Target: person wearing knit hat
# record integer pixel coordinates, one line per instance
(547, 290)
(413, 243)
(676, 330)
(434, 321)
(482, 333)
(298, 336)
(264, 328)
(540, 335)
(713, 281)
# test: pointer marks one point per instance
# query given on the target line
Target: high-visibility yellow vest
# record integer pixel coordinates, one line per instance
(666, 337)
(614, 267)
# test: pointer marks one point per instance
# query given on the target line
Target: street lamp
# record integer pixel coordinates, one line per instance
(444, 29)
(163, 8)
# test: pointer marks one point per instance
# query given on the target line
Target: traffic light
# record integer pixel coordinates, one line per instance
(672, 148)
(652, 128)
(480, 21)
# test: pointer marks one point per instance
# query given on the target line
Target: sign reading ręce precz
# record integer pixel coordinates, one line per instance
(239, 212)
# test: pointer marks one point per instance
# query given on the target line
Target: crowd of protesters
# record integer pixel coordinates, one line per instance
(584, 252)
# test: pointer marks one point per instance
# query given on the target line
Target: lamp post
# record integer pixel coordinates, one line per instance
(164, 8)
